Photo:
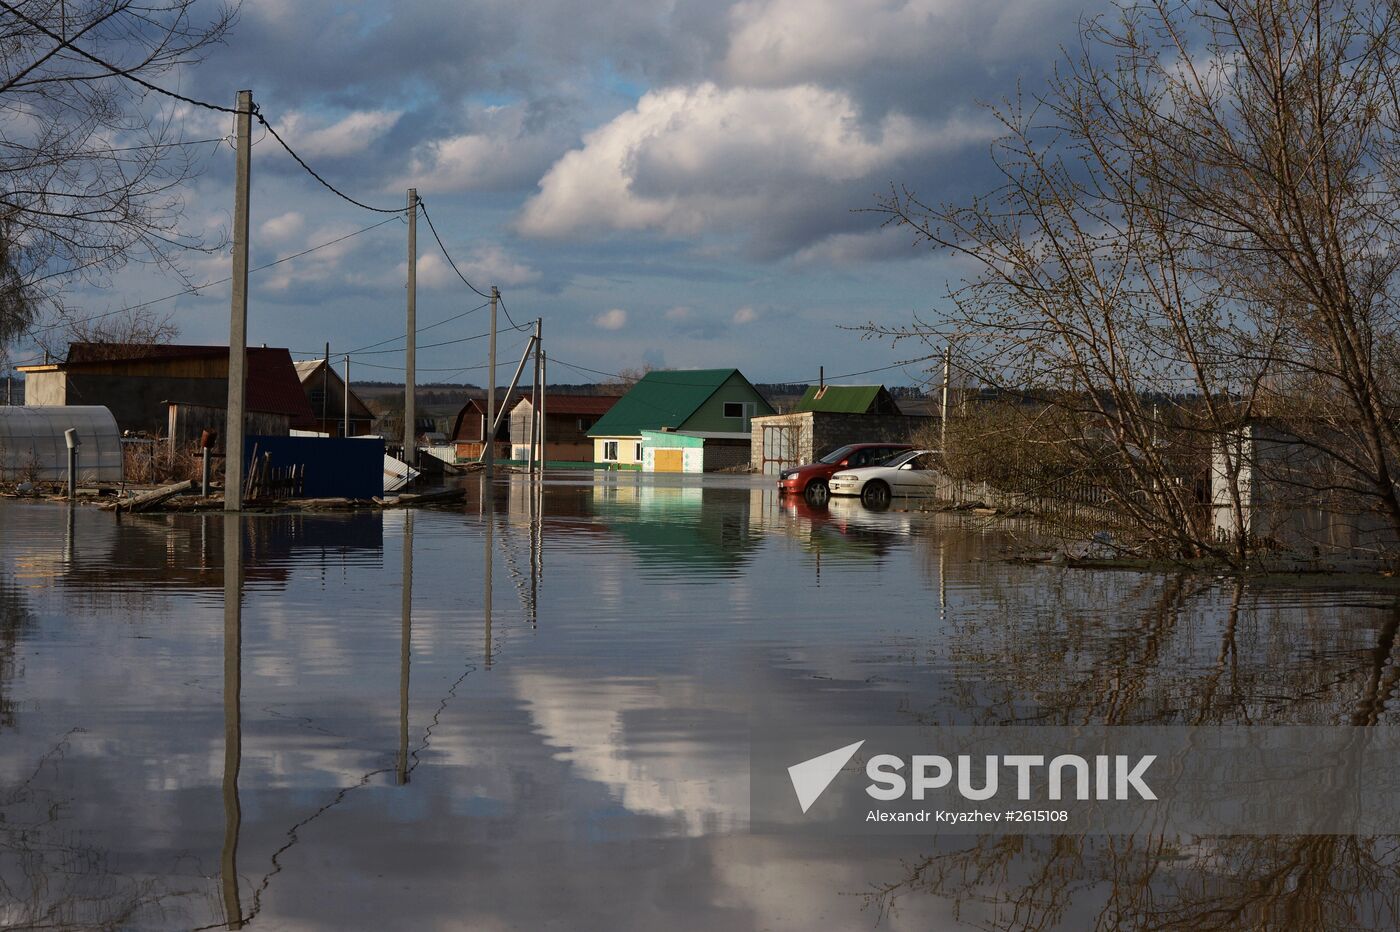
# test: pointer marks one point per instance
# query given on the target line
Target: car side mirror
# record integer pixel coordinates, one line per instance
(907, 466)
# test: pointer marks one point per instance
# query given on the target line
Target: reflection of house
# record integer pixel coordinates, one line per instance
(711, 405)
(326, 393)
(469, 428)
(172, 390)
(829, 416)
(701, 531)
(568, 418)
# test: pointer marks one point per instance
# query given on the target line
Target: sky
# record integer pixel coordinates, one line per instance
(672, 183)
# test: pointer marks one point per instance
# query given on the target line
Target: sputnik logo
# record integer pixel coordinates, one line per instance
(811, 777)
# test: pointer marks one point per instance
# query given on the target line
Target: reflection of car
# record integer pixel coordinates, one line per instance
(911, 473)
(812, 478)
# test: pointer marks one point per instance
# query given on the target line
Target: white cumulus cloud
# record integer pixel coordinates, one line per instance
(613, 319)
(283, 226)
(501, 150)
(687, 161)
(777, 42)
(745, 315)
(349, 135)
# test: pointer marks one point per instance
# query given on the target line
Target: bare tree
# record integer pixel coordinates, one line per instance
(137, 327)
(630, 376)
(1196, 230)
(91, 167)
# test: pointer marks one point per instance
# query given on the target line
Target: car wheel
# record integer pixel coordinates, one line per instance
(817, 492)
(876, 494)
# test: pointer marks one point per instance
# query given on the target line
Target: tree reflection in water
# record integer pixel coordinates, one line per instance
(1136, 674)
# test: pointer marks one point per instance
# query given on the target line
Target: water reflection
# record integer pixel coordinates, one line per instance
(345, 752)
(233, 719)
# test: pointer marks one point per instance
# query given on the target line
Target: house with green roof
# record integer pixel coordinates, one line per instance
(831, 416)
(671, 411)
(848, 399)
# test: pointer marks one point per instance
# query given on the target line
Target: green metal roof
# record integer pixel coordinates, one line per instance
(661, 398)
(844, 399)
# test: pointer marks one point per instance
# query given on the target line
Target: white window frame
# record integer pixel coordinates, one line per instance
(741, 405)
(639, 451)
(610, 450)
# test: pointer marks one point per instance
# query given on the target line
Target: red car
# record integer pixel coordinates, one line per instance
(811, 480)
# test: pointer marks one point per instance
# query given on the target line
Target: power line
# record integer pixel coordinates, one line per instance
(198, 288)
(373, 365)
(113, 69)
(404, 336)
(446, 255)
(257, 112)
(507, 313)
(422, 346)
(844, 375)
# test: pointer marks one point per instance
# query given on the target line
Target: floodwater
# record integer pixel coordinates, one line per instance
(533, 712)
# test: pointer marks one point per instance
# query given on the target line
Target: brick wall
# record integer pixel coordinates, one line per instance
(814, 433)
(724, 454)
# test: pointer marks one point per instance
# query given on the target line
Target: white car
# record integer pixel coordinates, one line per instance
(914, 472)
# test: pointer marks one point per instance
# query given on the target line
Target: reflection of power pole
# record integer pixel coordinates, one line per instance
(486, 575)
(533, 491)
(405, 644)
(233, 726)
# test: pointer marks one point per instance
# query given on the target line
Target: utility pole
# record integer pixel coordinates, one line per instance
(544, 391)
(943, 420)
(536, 392)
(489, 451)
(345, 431)
(238, 312)
(410, 412)
(325, 388)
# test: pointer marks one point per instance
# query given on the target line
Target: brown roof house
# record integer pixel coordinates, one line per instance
(173, 391)
(469, 428)
(327, 394)
(568, 419)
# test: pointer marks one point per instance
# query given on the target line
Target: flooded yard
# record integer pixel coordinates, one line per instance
(534, 712)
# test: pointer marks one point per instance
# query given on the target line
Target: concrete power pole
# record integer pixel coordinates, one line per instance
(326, 389)
(410, 411)
(490, 450)
(536, 392)
(238, 312)
(943, 419)
(544, 392)
(345, 431)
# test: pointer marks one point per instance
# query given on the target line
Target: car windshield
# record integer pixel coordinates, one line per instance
(899, 459)
(837, 455)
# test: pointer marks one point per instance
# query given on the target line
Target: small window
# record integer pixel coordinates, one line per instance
(638, 457)
(610, 450)
(734, 409)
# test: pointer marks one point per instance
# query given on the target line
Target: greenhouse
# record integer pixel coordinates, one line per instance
(33, 449)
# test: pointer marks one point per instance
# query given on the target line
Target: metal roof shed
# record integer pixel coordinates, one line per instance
(32, 444)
